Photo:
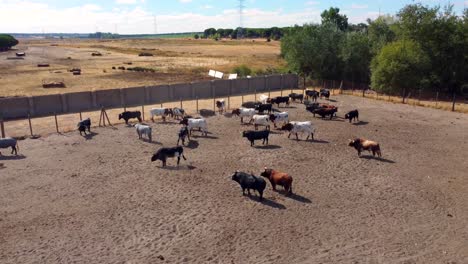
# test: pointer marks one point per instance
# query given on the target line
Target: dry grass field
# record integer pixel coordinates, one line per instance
(174, 61)
(99, 199)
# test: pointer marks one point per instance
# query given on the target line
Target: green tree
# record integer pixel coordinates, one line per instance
(441, 35)
(356, 55)
(196, 36)
(314, 51)
(7, 41)
(242, 71)
(333, 16)
(399, 67)
(209, 32)
(380, 33)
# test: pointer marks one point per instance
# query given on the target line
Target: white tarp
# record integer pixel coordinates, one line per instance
(212, 73)
(232, 76)
(219, 75)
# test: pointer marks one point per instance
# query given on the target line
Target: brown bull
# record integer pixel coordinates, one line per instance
(278, 178)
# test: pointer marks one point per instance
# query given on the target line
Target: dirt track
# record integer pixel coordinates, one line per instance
(101, 200)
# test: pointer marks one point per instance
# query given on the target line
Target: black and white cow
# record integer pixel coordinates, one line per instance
(83, 125)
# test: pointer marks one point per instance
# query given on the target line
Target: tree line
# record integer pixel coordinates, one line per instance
(274, 33)
(420, 47)
(7, 42)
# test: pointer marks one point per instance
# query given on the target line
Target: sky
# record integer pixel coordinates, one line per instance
(171, 16)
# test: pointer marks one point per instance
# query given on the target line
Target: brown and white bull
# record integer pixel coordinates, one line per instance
(361, 144)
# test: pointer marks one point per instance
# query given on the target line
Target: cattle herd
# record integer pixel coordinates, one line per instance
(261, 114)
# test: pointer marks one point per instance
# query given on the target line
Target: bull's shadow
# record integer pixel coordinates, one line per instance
(202, 136)
(267, 202)
(370, 157)
(177, 168)
(192, 144)
(318, 141)
(90, 135)
(298, 198)
(266, 146)
(10, 157)
(361, 123)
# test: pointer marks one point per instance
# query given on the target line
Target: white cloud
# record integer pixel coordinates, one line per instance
(357, 6)
(126, 2)
(31, 17)
(185, 1)
(312, 3)
(207, 7)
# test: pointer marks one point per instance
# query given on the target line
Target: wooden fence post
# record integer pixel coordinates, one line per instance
(419, 97)
(143, 112)
(30, 125)
(2, 126)
(197, 103)
(81, 117)
(56, 122)
(181, 104)
(453, 102)
(437, 98)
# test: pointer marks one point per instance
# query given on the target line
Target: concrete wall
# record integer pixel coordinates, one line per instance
(275, 82)
(47, 105)
(134, 96)
(222, 88)
(257, 84)
(181, 91)
(79, 102)
(239, 86)
(108, 98)
(15, 107)
(290, 81)
(19, 107)
(202, 90)
(158, 94)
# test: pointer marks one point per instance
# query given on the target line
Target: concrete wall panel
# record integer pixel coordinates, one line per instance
(47, 105)
(239, 86)
(158, 94)
(181, 91)
(290, 81)
(134, 96)
(202, 90)
(257, 84)
(108, 98)
(16, 107)
(275, 82)
(222, 88)
(79, 102)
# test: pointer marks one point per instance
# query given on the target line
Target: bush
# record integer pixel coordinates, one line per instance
(242, 70)
(140, 69)
(145, 54)
(7, 41)
(196, 36)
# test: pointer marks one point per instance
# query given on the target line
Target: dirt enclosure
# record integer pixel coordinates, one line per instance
(99, 199)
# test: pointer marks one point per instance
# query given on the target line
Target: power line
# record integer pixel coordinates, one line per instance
(241, 7)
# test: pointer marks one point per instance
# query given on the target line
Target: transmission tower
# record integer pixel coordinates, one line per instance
(241, 7)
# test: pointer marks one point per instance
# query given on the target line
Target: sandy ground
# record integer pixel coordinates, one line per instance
(175, 61)
(70, 199)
